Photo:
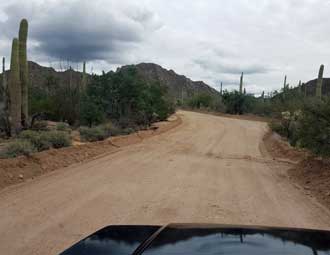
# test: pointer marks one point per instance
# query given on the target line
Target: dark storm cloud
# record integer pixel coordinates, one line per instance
(83, 30)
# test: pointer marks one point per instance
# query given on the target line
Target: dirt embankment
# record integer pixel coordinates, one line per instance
(20, 169)
(312, 174)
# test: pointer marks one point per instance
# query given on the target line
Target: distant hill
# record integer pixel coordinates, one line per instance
(311, 87)
(178, 86)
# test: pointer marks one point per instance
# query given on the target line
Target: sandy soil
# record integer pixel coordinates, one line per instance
(209, 169)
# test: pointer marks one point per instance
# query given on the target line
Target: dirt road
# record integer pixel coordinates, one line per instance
(209, 169)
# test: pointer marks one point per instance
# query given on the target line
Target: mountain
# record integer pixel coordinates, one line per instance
(179, 86)
(311, 87)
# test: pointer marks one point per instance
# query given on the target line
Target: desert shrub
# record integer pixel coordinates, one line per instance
(128, 131)
(200, 101)
(277, 127)
(40, 125)
(111, 129)
(36, 139)
(57, 139)
(17, 148)
(63, 127)
(94, 134)
(124, 122)
(314, 131)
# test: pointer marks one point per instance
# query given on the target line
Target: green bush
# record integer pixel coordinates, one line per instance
(94, 134)
(58, 139)
(314, 131)
(111, 129)
(63, 127)
(17, 148)
(279, 128)
(40, 125)
(39, 141)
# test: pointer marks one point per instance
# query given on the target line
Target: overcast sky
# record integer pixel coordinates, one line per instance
(209, 40)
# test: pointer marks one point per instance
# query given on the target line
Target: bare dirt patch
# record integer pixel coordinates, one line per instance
(312, 174)
(20, 169)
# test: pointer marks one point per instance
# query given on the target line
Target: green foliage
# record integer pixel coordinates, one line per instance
(238, 103)
(124, 95)
(48, 98)
(314, 131)
(111, 96)
(91, 111)
(63, 127)
(44, 140)
(200, 101)
(94, 134)
(37, 139)
(58, 139)
(279, 128)
(17, 148)
(40, 125)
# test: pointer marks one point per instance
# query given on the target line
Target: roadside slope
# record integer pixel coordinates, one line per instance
(210, 169)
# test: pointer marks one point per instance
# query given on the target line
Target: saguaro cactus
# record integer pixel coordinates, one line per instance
(23, 68)
(285, 85)
(84, 77)
(15, 92)
(319, 82)
(3, 86)
(241, 84)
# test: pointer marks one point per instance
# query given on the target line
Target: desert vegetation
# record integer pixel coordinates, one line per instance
(95, 106)
(301, 113)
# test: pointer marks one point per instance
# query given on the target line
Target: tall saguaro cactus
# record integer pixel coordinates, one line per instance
(23, 68)
(221, 89)
(241, 84)
(285, 85)
(319, 82)
(3, 85)
(15, 92)
(84, 77)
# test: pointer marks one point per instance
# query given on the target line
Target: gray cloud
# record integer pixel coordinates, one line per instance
(208, 40)
(81, 30)
(223, 68)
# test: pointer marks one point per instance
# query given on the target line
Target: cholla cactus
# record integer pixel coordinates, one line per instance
(15, 92)
(286, 115)
(23, 68)
(319, 82)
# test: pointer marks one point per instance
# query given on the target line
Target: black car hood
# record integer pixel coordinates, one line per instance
(202, 239)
